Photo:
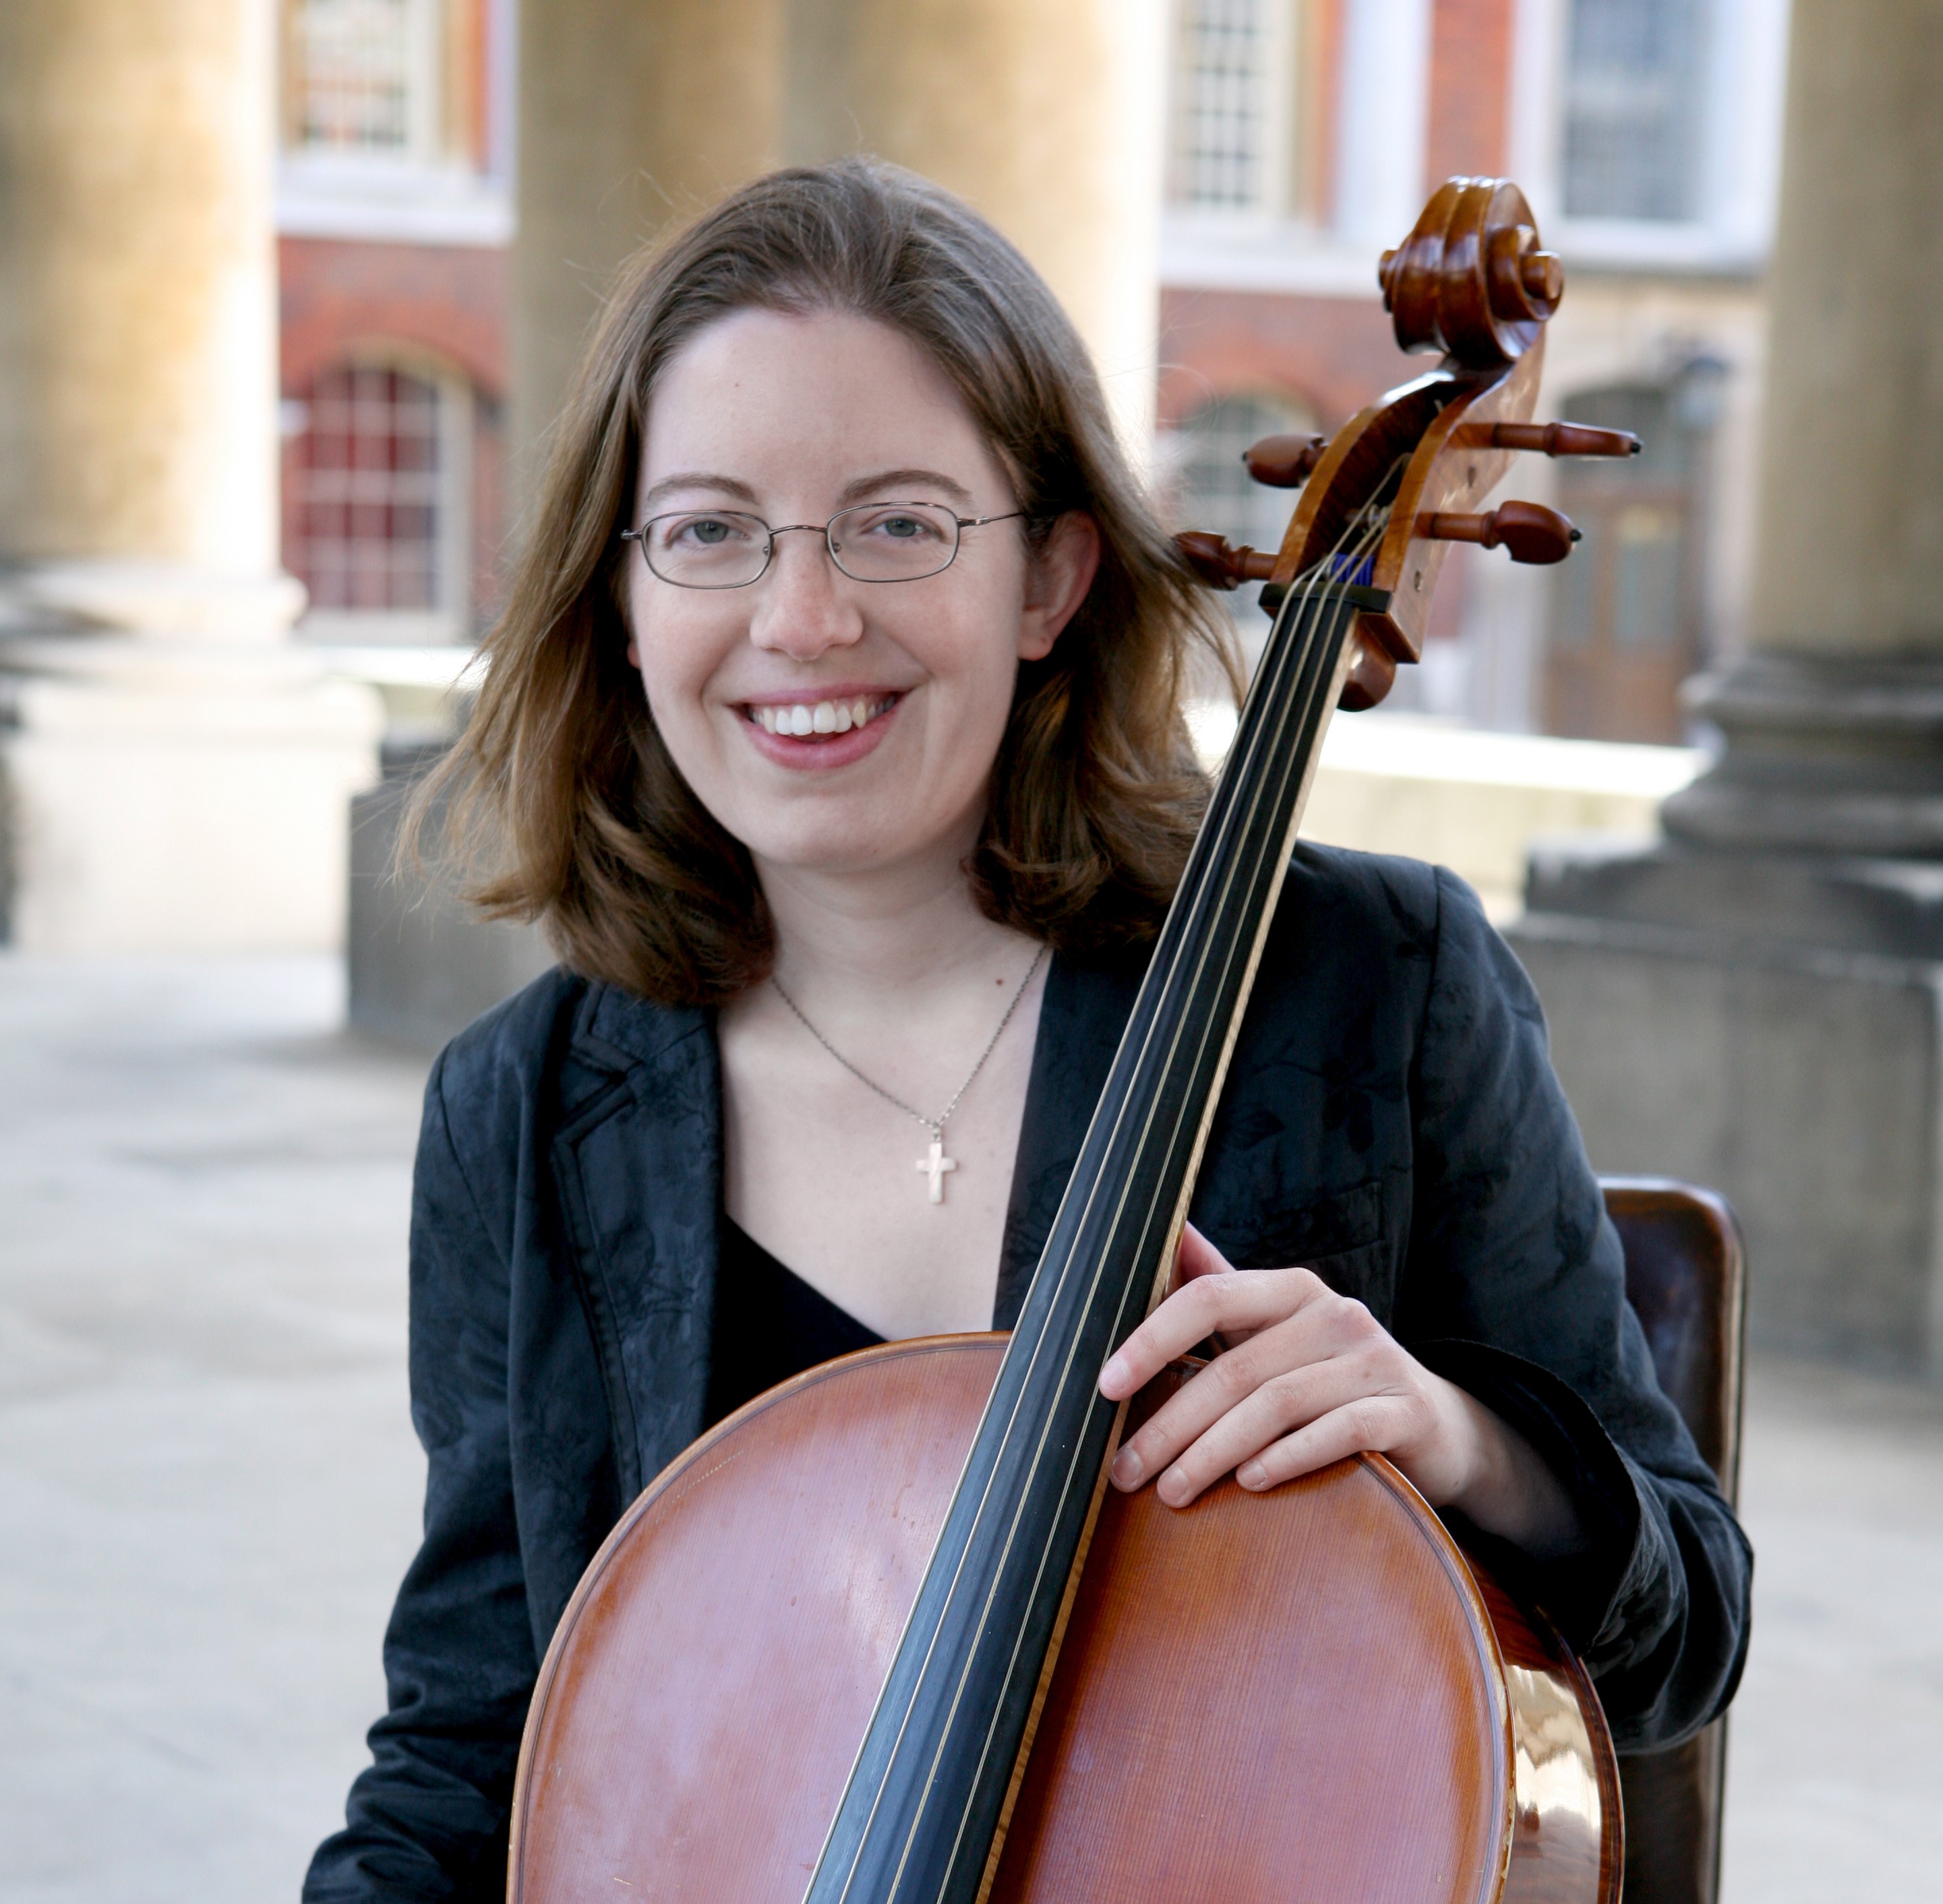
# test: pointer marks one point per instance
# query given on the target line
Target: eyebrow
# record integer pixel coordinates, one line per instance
(694, 479)
(889, 478)
(873, 484)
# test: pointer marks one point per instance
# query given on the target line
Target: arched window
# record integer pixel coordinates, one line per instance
(378, 504)
(1626, 608)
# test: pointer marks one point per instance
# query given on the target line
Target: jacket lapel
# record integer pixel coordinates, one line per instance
(639, 1168)
(1080, 1019)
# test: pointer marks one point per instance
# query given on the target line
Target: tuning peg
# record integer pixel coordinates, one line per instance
(1551, 439)
(1219, 562)
(1529, 530)
(1284, 462)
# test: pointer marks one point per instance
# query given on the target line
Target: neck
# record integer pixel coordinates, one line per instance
(908, 930)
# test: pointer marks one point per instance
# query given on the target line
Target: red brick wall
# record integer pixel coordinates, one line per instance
(1333, 353)
(336, 294)
(1470, 88)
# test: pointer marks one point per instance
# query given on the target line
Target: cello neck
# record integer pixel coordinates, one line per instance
(921, 1816)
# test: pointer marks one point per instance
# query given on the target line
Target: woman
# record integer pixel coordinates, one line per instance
(835, 730)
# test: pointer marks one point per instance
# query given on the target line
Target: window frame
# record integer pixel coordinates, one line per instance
(1739, 158)
(448, 622)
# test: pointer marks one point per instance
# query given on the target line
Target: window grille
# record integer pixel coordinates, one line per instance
(369, 511)
(1222, 131)
(1635, 99)
(355, 82)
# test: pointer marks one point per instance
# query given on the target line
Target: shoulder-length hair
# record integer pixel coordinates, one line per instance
(560, 795)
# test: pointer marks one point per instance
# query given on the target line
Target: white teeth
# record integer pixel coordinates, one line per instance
(824, 718)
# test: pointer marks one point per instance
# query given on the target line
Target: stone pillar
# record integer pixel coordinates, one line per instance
(176, 775)
(1046, 118)
(633, 117)
(1756, 1002)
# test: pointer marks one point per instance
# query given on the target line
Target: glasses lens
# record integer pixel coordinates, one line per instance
(894, 542)
(706, 548)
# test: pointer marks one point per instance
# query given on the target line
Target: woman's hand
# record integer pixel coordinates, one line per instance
(1306, 1377)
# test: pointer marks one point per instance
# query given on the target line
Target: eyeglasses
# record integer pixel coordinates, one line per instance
(875, 541)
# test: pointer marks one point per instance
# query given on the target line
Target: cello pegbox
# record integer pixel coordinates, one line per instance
(1284, 462)
(1528, 531)
(1550, 439)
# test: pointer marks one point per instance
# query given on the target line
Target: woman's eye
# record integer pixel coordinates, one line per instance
(902, 527)
(698, 532)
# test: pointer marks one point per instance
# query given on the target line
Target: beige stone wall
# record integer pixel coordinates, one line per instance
(137, 301)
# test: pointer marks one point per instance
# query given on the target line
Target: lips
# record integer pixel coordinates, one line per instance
(814, 720)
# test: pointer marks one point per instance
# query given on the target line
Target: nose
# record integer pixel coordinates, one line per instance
(803, 609)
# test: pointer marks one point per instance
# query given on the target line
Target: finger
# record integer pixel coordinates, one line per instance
(1272, 1354)
(1196, 1257)
(1212, 1304)
(1372, 1425)
(1289, 1402)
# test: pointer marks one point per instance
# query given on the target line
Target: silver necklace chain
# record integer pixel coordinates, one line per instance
(934, 1125)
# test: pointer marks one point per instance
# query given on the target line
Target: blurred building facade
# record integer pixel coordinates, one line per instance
(394, 216)
(1302, 135)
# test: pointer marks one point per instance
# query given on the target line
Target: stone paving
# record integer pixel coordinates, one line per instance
(208, 1485)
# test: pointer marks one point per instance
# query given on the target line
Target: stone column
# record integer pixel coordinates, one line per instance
(1836, 717)
(176, 776)
(632, 119)
(1757, 1003)
(1046, 118)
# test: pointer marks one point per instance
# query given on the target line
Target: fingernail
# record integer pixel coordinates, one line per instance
(1128, 1469)
(1172, 1487)
(1254, 1475)
(1115, 1371)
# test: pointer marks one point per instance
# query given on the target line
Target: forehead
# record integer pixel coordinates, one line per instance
(767, 395)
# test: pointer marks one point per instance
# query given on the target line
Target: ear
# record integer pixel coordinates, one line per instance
(1057, 577)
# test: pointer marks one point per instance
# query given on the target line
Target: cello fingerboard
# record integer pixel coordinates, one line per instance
(923, 1806)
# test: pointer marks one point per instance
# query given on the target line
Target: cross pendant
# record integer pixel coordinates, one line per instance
(935, 1165)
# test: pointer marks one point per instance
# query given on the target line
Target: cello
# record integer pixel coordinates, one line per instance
(884, 1635)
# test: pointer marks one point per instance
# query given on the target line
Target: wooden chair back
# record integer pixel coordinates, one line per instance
(1686, 1278)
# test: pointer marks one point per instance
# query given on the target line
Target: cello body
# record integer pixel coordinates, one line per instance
(1306, 1696)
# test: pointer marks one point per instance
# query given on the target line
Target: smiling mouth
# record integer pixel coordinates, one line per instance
(819, 719)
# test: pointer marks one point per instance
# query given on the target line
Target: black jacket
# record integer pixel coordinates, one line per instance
(1391, 1119)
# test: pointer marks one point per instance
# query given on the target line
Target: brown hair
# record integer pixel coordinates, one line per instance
(561, 784)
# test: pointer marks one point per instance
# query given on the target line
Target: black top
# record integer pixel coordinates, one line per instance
(769, 1325)
(1390, 1120)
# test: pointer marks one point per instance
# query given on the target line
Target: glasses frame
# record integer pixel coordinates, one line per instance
(960, 524)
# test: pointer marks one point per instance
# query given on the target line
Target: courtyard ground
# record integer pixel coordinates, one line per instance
(209, 1486)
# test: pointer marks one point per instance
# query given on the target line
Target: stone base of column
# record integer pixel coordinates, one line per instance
(423, 965)
(160, 795)
(1758, 1003)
